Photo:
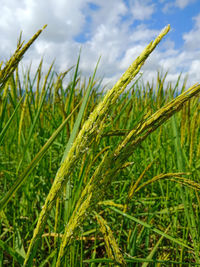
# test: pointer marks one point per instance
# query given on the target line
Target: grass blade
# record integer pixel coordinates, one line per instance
(148, 226)
(79, 117)
(5, 128)
(16, 256)
(36, 159)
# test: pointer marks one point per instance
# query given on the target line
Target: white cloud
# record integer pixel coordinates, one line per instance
(183, 3)
(192, 38)
(142, 10)
(65, 18)
(169, 6)
(114, 30)
(143, 34)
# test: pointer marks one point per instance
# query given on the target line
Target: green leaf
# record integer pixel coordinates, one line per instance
(152, 228)
(79, 117)
(37, 158)
(16, 256)
(5, 128)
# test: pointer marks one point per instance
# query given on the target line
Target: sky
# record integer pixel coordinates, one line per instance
(116, 30)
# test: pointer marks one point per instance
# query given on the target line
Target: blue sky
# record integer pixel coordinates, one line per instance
(116, 30)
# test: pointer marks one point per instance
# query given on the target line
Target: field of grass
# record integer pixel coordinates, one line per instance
(94, 177)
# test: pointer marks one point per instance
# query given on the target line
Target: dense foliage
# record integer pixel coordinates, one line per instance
(131, 193)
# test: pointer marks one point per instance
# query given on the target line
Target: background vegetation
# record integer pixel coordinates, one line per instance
(127, 172)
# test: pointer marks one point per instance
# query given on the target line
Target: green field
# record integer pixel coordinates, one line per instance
(92, 176)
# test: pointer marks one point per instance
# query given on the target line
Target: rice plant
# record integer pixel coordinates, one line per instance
(92, 176)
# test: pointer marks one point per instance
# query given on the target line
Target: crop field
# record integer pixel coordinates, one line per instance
(94, 176)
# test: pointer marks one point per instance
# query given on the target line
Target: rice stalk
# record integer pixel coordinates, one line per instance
(187, 182)
(72, 87)
(13, 89)
(188, 122)
(159, 177)
(80, 211)
(183, 125)
(44, 84)
(24, 105)
(12, 63)
(20, 180)
(7, 125)
(37, 93)
(31, 131)
(4, 100)
(134, 185)
(111, 203)
(194, 129)
(151, 227)
(96, 124)
(5, 91)
(112, 248)
(153, 122)
(113, 163)
(155, 248)
(93, 162)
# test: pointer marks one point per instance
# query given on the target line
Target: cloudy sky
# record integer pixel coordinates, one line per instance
(116, 30)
